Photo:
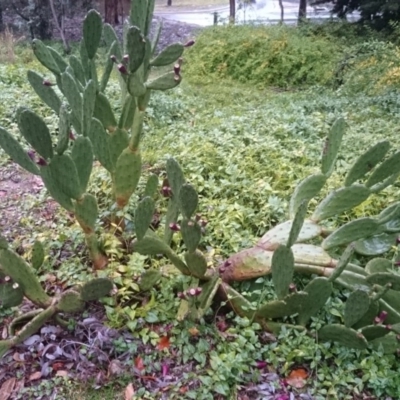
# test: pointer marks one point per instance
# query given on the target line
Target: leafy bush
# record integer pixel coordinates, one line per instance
(269, 55)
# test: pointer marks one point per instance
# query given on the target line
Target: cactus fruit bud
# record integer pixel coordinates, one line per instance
(46, 82)
(125, 59)
(177, 78)
(166, 191)
(203, 223)
(113, 58)
(15, 285)
(198, 291)
(190, 43)
(177, 69)
(261, 364)
(31, 154)
(388, 327)
(42, 162)
(381, 317)
(174, 227)
(181, 295)
(7, 279)
(191, 292)
(122, 69)
(292, 288)
(71, 135)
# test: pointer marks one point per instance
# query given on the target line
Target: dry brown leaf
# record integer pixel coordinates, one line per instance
(4, 333)
(7, 388)
(62, 373)
(193, 331)
(129, 392)
(35, 376)
(297, 378)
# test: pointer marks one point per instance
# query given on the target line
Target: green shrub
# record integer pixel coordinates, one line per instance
(269, 55)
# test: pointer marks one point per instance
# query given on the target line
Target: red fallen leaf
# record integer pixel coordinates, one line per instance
(129, 392)
(183, 389)
(57, 366)
(139, 363)
(297, 378)
(163, 343)
(7, 388)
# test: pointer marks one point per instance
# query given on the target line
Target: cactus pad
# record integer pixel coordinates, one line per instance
(104, 113)
(384, 278)
(196, 263)
(297, 223)
(306, 190)
(378, 265)
(356, 307)
(92, 30)
(164, 82)
(188, 200)
(16, 152)
(168, 55)
(143, 216)
(11, 295)
(95, 289)
(151, 186)
(191, 234)
(372, 332)
(375, 245)
(82, 156)
(312, 255)
(86, 212)
(45, 57)
(353, 230)
(99, 138)
(344, 336)
(236, 301)
(389, 344)
(290, 305)
(136, 47)
(37, 255)
(70, 302)
(282, 270)
(389, 167)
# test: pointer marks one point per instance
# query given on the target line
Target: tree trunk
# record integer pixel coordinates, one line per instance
(302, 10)
(59, 21)
(232, 11)
(169, 2)
(282, 11)
(111, 12)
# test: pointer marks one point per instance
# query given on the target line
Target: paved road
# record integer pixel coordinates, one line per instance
(263, 12)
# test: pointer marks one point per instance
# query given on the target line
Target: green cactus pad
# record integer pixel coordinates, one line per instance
(342, 264)
(46, 93)
(378, 265)
(127, 175)
(100, 141)
(149, 279)
(319, 290)
(356, 307)
(164, 82)
(53, 188)
(312, 255)
(209, 290)
(339, 201)
(170, 217)
(16, 152)
(388, 344)
(143, 216)
(236, 301)
(89, 101)
(63, 173)
(20, 272)
(36, 133)
(128, 113)
(389, 167)
(136, 86)
(369, 316)
(86, 212)
(118, 142)
(138, 13)
(72, 93)
(353, 230)
(44, 56)
(389, 218)
(191, 234)
(37, 257)
(344, 336)
(332, 146)
(367, 161)
(151, 186)
(85, 59)
(375, 245)
(108, 67)
(168, 56)
(70, 302)
(291, 305)
(92, 31)
(104, 113)
(384, 184)
(196, 263)
(3, 242)
(11, 295)
(373, 332)
(175, 176)
(282, 270)
(297, 223)
(78, 71)
(306, 190)
(383, 278)
(95, 289)
(280, 233)
(82, 156)
(188, 200)
(136, 48)
(64, 127)
(110, 37)
(58, 58)
(76, 122)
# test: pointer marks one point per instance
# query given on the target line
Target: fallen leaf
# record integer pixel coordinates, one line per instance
(4, 333)
(35, 376)
(163, 343)
(115, 368)
(139, 363)
(183, 389)
(62, 373)
(193, 331)
(7, 388)
(297, 378)
(57, 366)
(129, 392)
